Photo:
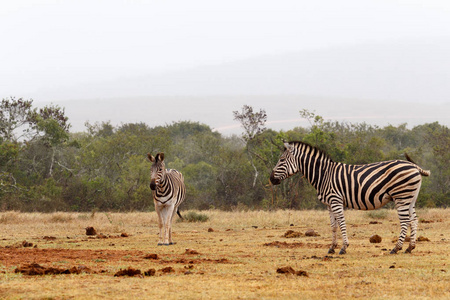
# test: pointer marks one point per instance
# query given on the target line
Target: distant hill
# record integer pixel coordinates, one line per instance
(216, 111)
(381, 84)
(408, 71)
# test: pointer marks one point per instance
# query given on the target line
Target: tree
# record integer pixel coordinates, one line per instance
(253, 124)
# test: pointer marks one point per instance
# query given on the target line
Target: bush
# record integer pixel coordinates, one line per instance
(193, 216)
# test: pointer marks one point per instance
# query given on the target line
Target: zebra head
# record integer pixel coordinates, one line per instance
(158, 169)
(286, 167)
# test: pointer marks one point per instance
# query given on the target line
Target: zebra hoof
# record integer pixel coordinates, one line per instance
(331, 251)
(394, 251)
(409, 249)
(342, 251)
(172, 243)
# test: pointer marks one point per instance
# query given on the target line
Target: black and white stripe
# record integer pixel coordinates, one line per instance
(363, 187)
(169, 192)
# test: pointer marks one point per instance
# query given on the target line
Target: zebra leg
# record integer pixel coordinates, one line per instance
(171, 222)
(403, 215)
(168, 225)
(160, 223)
(338, 211)
(334, 232)
(414, 222)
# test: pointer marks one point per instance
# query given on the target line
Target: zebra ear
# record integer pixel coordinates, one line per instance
(160, 156)
(287, 145)
(150, 157)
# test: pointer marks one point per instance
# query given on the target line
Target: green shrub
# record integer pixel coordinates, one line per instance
(193, 216)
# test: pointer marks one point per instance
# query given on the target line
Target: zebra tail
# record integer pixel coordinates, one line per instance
(421, 171)
(178, 213)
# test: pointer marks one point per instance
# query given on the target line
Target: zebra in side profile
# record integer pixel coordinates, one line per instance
(363, 187)
(169, 192)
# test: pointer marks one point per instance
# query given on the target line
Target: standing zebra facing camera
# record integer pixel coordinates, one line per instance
(169, 192)
(364, 187)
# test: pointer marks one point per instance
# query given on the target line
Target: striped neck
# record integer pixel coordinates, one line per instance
(313, 163)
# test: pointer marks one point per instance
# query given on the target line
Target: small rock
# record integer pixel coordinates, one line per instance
(210, 229)
(167, 270)
(128, 272)
(151, 256)
(286, 270)
(311, 232)
(191, 251)
(27, 244)
(90, 231)
(150, 272)
(290, 270)
(375, 238)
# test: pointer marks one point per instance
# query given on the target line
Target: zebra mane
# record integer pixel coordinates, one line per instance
(322, 152)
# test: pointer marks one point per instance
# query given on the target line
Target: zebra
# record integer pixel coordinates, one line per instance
(364, 187)
(169, 192)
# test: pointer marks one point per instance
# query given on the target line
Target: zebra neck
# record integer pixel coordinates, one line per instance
(162, 189)
(315, 166)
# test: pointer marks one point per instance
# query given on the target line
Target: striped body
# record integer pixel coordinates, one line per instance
(363, 187)
(169, 192)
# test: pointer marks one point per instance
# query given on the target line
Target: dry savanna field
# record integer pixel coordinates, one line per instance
(233, 255)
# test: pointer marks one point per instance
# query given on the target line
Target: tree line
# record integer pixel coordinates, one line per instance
(44, 167)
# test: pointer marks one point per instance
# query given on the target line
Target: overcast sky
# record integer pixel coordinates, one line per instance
(49, 43)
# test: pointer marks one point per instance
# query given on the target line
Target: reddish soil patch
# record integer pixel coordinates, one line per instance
(285, 244)
(295, 245)
(202, 260)
(97, 260)
(23, 256)
(36, 269)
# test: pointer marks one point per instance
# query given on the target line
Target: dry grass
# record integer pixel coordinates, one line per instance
(232, 260)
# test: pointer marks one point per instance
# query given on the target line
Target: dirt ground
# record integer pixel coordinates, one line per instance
(264, 255)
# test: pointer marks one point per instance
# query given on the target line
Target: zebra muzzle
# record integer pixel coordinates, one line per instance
(274, 180)
(153, 185)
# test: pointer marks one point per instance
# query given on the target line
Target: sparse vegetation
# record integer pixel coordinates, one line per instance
(45, 168)
(241, 258)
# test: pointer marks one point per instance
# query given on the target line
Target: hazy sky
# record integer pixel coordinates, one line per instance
(49, 43)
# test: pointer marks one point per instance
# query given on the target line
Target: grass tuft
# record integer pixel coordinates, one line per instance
(60, 217)
(10, 217)
(377, 214)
